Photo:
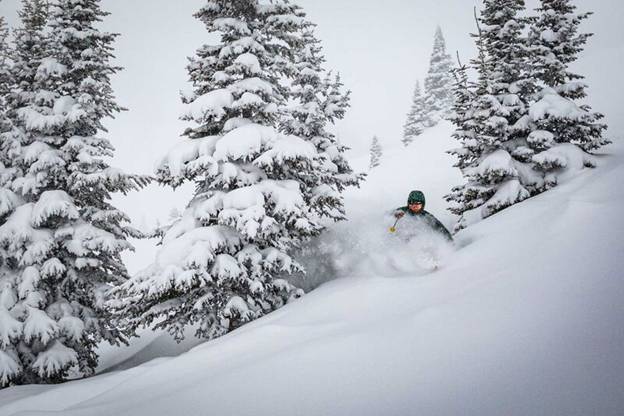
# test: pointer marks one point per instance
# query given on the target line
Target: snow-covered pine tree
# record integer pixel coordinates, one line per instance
(376, 152)
(9, 367)
(319, 100)
(63, 242)
(26, 55)
(499, 170)
(555, 43)
(438, 98)
(416, 118)
(468, 121)
(215, 270)
(527, 127)
(5, 75)
(463, 117)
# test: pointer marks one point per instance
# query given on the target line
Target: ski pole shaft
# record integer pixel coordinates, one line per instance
(393, 228)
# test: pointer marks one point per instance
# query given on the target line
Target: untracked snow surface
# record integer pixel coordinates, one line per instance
(524, 317)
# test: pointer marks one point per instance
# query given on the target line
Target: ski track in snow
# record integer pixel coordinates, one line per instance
(524, 319)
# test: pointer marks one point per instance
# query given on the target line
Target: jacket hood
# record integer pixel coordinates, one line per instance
(416, 196)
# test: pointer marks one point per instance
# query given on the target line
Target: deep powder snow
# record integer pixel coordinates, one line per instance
(523, 318)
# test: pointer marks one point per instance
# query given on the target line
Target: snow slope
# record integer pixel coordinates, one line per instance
(525, 318)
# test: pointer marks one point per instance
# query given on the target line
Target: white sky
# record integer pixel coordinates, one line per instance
(380, 47)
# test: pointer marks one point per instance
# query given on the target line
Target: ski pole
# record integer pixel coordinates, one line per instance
(393, 228)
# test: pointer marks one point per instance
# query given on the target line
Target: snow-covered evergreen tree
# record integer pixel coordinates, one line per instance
(525, 128)
(4, 61)
(498, 169)
(555, 43)
(26, 55)
(5, 75)
(416, 118)
(217, 266)
(61, 239)
(462, 117)
(468, 120)
(376, 152)
(319, 100)
(9, 368)
(438, 98)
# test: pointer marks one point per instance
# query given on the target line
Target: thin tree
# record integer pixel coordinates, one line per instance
(416, 118)
(376, 152)
(438, 98)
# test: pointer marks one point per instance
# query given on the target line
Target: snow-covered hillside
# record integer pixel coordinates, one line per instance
(525, 318)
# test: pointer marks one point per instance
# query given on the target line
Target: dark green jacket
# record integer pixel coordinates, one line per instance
(430, 220)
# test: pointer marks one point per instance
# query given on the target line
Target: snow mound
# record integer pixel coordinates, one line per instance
(553, 104)
(212, 104)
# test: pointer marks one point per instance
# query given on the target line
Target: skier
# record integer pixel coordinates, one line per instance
(416, 210)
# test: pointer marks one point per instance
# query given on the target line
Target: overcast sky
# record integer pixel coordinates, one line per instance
(380, 47)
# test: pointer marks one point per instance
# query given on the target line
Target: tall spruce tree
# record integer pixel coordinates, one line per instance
(438, 98)
(469, 122)
(5, 77)
(26, 55)
(64, 240)
(5, 52)
(526, 129)
(18, 66)
(416, 118)
(462, 116)
(217, 266)
(9, 367)
(555, 43)
(497, 156)
(376, 152)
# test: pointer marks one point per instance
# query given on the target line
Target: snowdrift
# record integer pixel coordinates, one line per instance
(524, 318)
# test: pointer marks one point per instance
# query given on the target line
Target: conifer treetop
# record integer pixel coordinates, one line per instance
(556, 42)
(416, 117)
(438, 83)
(376, 152)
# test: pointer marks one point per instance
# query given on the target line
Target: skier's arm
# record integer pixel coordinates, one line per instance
(438, 226)
(399, 212)
(446, 233)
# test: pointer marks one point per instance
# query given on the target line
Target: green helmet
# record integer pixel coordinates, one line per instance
(416, 196)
